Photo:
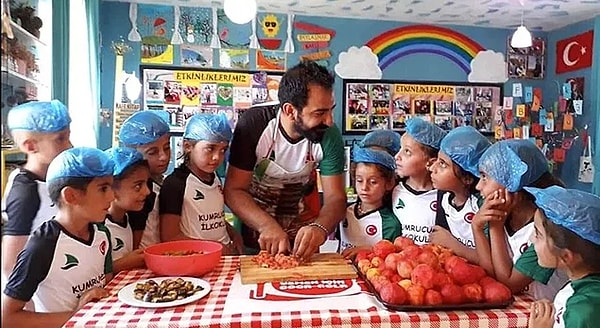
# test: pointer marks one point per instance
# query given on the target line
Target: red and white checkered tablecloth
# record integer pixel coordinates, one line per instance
(208, 311)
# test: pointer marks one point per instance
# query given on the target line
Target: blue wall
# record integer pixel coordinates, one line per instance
(114, 24)
(590, 117)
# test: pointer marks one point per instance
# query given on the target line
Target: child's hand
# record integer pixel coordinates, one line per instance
(350, 253)
(492, 211)
(91, 295)
(542, 314)
(443, 237)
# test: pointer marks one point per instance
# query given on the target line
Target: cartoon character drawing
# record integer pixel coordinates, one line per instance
(270, 26)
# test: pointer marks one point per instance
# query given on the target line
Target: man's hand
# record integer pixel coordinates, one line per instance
(307, 241)
(91, 295)
(542, 314)
(273, 239)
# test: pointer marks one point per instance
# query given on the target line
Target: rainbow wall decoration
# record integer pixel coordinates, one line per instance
(403, 41)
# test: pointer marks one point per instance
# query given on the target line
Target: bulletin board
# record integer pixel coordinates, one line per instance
(185, 91)
(371, 105)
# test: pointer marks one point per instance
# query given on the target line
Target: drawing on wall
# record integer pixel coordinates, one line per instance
(195, 25)
(234, 58)
(155, 26)
(196, 55)
(269, 36)
(270, 60)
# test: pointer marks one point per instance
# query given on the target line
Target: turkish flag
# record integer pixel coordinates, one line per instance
(575, 52)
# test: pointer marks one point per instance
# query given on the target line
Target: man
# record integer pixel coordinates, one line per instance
(271, 179)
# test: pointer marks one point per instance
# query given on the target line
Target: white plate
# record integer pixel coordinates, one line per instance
(127, 296)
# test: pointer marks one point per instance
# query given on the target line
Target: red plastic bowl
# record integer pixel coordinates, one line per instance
(195, 265)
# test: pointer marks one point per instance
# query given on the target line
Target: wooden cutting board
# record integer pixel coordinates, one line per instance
(322, 266)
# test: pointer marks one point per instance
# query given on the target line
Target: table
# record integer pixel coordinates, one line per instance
(208, 312)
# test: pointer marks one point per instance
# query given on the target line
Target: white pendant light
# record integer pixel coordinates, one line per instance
(522, 37)
(240, 11)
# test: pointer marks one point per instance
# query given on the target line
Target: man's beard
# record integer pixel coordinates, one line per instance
(314, 135)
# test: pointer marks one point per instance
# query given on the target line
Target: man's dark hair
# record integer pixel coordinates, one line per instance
(294, 84)
(57, 185)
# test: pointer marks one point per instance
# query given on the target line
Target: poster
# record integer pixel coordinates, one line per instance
(155, 25)
(527, 63)
(388, 104)
(121, 112)
(270, 60)
(195, 55)
(234, 58)
(184, 91)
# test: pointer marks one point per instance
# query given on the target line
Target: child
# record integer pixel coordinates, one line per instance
(147, 132)
(386, 140)
(506, 167)
(191, 199)
(130, 185)
(41, 130)
(454, 175)
(370, 220)
(66, 261)
(567, 237)
(414, 199)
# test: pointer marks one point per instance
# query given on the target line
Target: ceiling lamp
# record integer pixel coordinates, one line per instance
(522, 37)
(240, 11)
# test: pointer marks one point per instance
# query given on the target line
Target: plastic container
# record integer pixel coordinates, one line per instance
(195, 265)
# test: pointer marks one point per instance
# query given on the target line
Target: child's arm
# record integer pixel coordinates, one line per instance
(502, 262)
(170, 204)
(236, 239)
(169, 228)
(13, 315)
(22, 204)
(11, 246)
(487, 214)
(132, 260)
(350, 253)
(443, 237)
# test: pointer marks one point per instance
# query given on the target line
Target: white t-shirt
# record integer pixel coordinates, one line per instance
(151, 233)
(369, 228)
(201, 206)
(459, 219)
(56, 268)
(416, 211)
(121, 237)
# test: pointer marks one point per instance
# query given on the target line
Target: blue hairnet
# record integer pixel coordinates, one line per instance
(39, 116)
(424, 132)
(142, 128)
(369, 155)
(80, 162)
(514, 163)
(465, 145)
(208, 127)
(123, 157)
(388, 139)
(571, 209)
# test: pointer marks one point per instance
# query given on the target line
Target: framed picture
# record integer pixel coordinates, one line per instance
(370, 105)
(527, 63)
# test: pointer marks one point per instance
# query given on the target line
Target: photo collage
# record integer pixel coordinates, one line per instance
(185, 93)
(371, 106)
(527, 63)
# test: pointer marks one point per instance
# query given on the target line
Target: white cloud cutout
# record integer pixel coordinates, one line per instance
(358, 63)
(488, 66)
